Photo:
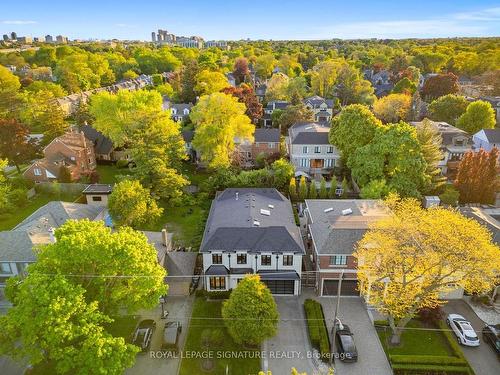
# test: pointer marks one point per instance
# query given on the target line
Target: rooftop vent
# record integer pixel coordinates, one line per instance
(329, 209)
(256, 223)
(237, 194)
(270, 206)
(265, 212)
(308, 127)
(347, 211)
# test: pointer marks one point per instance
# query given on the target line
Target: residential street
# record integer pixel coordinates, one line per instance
(179, 309)
(291, 339)
(9, 367)
(482, 358)
(372, 359)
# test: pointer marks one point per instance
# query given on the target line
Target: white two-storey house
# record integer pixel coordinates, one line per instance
(252, 231)
(310, 150)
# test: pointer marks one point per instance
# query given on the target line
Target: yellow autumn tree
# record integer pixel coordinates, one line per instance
(392, 108)
(220, 120)
(409, 258)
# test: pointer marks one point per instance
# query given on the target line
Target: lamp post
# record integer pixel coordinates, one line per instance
(162, 302)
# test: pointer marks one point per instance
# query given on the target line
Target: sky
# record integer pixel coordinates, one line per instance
(254, 19)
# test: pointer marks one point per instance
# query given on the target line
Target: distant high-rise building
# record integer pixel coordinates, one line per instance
(13, 35)
(62, 39)
(5, 37)
(49, 39)
(25, 39)
(153, 36)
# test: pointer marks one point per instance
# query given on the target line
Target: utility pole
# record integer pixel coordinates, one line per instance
(339, 288)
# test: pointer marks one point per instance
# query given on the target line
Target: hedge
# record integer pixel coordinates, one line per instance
(455, 347)
(430, 370)
(220, 294)
(318, 333)
(427, 360)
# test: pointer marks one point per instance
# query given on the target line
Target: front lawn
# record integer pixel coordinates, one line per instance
(108, 173)
(417, 341)
(203, 324)
(10, 220)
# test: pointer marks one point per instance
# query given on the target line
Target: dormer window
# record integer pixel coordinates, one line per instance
(186, 111)
(174, 111)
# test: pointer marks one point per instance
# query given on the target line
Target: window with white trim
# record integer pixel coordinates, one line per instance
(338, 260)
(37, 172)
(305, 149)
(216, 258)
(317, 149)
(288, 260)
(5, 268)
(217, 283)
(329, 150)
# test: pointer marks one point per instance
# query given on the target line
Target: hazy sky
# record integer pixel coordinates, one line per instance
(254, 19)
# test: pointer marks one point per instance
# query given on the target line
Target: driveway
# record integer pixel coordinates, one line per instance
(179, 308)
(371, 356)
(9, 367)
(482, 358)
(290, 347)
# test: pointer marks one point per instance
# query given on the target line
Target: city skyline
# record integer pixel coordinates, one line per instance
(215, 21)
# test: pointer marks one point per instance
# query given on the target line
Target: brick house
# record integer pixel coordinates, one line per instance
(71, 150)
(334, 226)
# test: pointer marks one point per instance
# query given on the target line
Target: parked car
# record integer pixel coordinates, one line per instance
(463, 330)
(491, 335)
(344, 340)
(144, 333)
(171, 334)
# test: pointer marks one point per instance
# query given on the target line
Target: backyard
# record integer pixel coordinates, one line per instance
(208, 335)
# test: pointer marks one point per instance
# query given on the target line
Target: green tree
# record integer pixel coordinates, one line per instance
(323, 192)
(98, 258)
(296, 90)
(303, 190)
(324, 77)
(5, 189)
(448, 108)
(430, 144)
(392, 108)
(404, 86)
(54, 88)
(264, 65)
(189, 73)
(292, 114)
(345, 188)
(353, 128)
(277, 87)
(313, 190)
(9, 88)
(450, 196)
(352, 88)
(292, 189)
(15, 144)
(208, 82)
(282, 171)
(64, 174)
(131, 204)
(130, 74)
(375, 189)
(219, 119)
(479, 115)
(250, 314)
(53, 323)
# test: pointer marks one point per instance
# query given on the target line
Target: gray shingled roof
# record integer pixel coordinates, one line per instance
(56, 213)
(267, 135)
(334, 233)
(180, 263)
(16, 246)
(232, 225)
(488, 222)
(102, 144)
(98, 189)
(493, 135)
(187, 135)
(311, 138)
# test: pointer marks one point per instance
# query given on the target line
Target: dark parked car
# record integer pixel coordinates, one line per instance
(171, 334)
(491, 335)
(344, 340)
(144, 333)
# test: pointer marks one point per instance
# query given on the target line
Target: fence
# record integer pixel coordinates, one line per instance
(60, 188)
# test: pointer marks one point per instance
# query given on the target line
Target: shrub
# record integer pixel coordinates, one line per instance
(318, 333)
(123, 163)
(430, 316)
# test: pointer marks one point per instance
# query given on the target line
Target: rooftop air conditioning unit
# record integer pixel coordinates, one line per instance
(347, 211)
(329, 209)
(265, 212)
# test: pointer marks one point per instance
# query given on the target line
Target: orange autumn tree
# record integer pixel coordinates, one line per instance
(408, 259)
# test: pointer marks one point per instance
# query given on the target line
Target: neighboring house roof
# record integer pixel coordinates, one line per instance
(335, 233)
(489, 218)
(266, 135)
(180, 263)
(187, 135)
(16, 246)
(383, 89)
(447, 131)
(181, 107)
(98, 189)
(308, 138)
(277, 104)
(56, 213)
(251, 219)
(315, 101)
(492, 135)
(102, 144)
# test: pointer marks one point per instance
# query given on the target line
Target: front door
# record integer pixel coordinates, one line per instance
(317, 163)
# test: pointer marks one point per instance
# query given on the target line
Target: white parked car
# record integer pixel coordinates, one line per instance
(463, 330)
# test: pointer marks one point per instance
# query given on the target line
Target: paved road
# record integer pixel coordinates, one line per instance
(290, 347)
(482, 358)
(9, 367)
(179, 309)
(372, 359)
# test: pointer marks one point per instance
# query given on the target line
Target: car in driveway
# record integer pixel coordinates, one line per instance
(344, 340)
(144, 333)
(171, 334)
(462, 328)
(491, 335)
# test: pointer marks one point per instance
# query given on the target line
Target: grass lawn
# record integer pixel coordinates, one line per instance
(189, 366)
(9, 221)
(108, 173)
(195, 176)
(416, 341)
(123, 326)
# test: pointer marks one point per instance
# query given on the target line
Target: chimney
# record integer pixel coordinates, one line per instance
(52, 235)
(237, 195)
(164, 238)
